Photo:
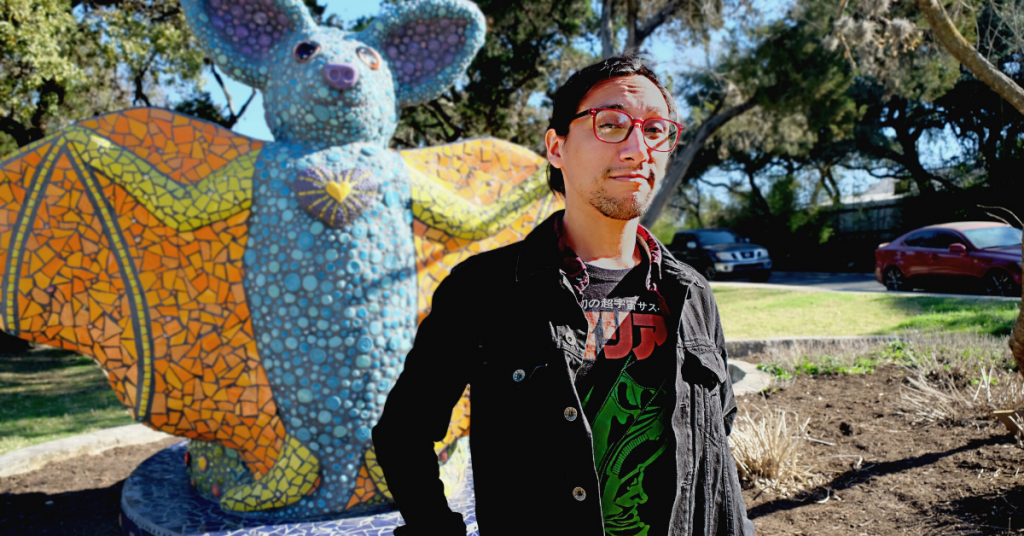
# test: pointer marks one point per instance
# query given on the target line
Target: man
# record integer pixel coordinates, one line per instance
(601, 401)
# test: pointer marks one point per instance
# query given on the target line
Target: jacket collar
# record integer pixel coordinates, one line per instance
(546, 248)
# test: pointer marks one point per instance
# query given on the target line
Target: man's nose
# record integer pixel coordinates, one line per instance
(341, 75)
(634, 147)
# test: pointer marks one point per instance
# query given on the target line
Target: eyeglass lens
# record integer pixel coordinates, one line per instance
(613, 127)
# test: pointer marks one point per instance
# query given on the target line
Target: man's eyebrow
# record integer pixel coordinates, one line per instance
(617, 106)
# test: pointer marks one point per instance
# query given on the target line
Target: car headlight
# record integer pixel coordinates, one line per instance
(761, 253)
(724, 256)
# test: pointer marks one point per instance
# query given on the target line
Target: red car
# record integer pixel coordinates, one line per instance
(984, 255)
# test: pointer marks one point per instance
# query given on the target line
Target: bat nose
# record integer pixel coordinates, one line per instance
(341, 75)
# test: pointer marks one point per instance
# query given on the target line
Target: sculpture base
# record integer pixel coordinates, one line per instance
(157, 500)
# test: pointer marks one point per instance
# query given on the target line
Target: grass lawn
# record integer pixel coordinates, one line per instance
(756, 313)
(49, 394)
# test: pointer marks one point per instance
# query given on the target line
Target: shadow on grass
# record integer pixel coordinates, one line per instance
(51, 391)
(852, 478)
(91, 512)
(988, 317)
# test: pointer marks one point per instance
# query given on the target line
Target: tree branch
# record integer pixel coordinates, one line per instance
(678, 166)
(947, 34)
(656, 20)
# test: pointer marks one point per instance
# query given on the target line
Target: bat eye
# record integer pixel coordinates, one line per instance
(369, 57)
(306, 50)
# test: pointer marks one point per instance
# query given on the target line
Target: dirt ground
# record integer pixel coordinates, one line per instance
(882, 475)
(76, 497)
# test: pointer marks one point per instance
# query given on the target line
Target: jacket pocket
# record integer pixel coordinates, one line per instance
(704, 366)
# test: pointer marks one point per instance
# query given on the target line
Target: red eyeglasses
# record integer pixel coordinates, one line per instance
(614, 126)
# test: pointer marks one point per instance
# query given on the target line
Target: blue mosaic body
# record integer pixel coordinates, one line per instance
(330, 271)
(335, 309)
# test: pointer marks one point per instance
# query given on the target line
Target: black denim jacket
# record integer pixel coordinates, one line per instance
(511, 310)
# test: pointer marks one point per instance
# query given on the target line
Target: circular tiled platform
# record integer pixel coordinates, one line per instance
(157, 500)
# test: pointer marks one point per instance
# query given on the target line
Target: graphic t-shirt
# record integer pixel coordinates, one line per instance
(626, 387)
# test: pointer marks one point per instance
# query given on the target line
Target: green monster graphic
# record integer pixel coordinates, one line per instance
(629, 434)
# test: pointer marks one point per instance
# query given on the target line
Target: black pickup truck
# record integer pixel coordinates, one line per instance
(722, 254)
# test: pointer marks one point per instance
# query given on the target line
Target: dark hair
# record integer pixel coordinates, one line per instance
(568, 97)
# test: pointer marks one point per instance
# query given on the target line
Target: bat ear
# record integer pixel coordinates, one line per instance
(240, 35)
(428, 45)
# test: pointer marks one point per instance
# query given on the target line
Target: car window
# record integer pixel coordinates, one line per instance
(994, 237)
(942, 240)
(682, 238)
(918, 239)
(717, 237)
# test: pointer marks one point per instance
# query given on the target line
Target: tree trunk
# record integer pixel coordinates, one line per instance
(1017, 335)
(607, 29)
(679, 164)
(955, 44)
(631, 11)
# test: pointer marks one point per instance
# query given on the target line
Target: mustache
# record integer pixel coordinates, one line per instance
(609, 172)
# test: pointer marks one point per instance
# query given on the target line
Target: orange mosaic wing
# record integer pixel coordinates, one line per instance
(122, 238)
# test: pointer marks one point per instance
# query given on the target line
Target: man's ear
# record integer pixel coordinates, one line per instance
(428, 45)
(240, 35)
(555, 145)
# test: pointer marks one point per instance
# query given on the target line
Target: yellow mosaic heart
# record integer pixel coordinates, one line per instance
(339, 190)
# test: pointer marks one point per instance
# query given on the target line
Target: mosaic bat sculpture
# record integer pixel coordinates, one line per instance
(257, 297)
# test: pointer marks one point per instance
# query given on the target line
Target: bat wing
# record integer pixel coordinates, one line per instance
(122, 238)
(469, 197)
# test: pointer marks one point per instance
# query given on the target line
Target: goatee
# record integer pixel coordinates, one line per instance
(616, 208)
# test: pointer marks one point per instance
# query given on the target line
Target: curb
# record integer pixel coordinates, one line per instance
(34, 457)
(769, 286)
(741, 348)
(747, 379)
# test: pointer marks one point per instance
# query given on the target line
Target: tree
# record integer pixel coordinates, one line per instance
(688, 19)
(783, 71)
(61, 61)
(528, 52)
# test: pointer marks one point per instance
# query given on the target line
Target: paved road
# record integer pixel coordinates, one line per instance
(840, 282)
(830, 281)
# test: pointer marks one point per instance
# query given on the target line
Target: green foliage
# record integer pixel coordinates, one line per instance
(62, 61)
(776, 370)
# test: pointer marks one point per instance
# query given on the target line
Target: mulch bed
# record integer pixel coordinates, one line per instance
(883, 475)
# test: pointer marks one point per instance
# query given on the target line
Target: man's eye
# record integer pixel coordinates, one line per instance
(306, 50)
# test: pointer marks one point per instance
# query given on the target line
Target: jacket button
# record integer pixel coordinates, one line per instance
(518, 375)
(570, 414)
(570, 338)
(579, 494)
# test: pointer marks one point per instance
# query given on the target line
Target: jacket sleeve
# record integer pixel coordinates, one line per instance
(417, 413)
(741, 524)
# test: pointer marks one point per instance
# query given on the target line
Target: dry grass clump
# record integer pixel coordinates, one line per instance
(953, 378)
(770, 452)
(943, 398)
(960, 356)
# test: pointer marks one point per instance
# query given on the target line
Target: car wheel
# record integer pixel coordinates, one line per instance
(999, 283)
(709, 272)
(761, 277)
(894, 279)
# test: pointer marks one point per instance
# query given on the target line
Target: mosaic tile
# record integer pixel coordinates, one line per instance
(157, 500)
(259, 298)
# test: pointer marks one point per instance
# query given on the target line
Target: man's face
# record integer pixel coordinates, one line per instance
(616, 179)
